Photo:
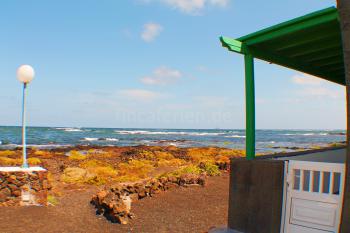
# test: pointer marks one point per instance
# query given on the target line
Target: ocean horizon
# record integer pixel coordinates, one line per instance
(267, 140)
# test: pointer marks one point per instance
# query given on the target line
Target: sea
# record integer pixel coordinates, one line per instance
(267, 141)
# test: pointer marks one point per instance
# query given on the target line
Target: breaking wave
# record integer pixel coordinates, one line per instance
(71, 129)
(307, 134)
(235, 136)
(101, 139)
(144, 132)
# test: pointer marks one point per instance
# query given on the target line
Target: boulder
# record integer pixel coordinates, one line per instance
(5, 193)
(74, 174)
(33, 176)
(172, 179)
(16, 193)
(116, 188)
(35, 185)
(115, 207)
(13, 187)
(201, 180)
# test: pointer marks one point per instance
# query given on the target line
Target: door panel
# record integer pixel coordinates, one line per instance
(301, 229)
(314, 197)
(312, 213)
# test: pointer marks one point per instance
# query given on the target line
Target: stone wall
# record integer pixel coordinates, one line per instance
(115, 202)
(20, 187)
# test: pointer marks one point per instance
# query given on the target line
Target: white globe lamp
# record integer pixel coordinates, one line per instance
(25, 74)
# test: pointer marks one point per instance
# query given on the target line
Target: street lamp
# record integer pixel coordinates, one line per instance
(25, 75)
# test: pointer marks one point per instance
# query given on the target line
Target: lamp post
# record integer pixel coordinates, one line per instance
(25, 75)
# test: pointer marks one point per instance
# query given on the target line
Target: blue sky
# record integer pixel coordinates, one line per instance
(154, 64)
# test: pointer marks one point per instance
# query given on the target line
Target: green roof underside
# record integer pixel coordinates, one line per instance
(310, 44)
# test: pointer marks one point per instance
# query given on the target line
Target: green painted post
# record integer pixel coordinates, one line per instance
(250, 106)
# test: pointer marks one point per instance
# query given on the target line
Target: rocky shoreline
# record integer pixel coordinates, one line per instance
(83, 166)
(122, 174)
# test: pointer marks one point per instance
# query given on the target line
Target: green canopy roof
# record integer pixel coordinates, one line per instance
(310, 44)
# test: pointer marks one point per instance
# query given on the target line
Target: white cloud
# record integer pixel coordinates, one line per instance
(323, 92)
(221, 3)
(306, 79)
(139, 94)
(191, 6)
(315, 87)
(162, 76)
(187, 6)
(151, 31)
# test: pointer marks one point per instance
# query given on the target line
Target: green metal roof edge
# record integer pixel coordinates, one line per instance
(237, 45)
(330, 11)
(231, 44)
(246, 44)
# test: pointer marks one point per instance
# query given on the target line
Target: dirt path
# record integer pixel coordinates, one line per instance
(183, 210)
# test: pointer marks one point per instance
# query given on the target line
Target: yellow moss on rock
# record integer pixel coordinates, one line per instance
(136, 168)
(101, 171)
(92, 163)
(210, 169)
(76, 155)
(163, 155)
(147, 155)
(10, 161)
(203, 155)
(6, 153)
(232, 153)
(222, 159)
(170, 163)
(96, 153)
(190, 169)
(104, 172)
(74, 175)
(78, 175)
(43, 154)
(34, 161)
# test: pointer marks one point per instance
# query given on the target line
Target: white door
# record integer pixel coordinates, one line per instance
(314, 197)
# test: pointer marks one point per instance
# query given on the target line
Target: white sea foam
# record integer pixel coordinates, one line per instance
(131, 132)
(235, 136)
(70, 129)
(101, 139)
(112, 139)
(90, 139)
(305, 134)
(144, 132)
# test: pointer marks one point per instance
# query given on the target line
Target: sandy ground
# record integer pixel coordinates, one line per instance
(192, 210)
